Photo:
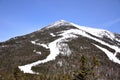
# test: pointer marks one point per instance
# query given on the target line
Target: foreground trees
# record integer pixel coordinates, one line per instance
(87, 71)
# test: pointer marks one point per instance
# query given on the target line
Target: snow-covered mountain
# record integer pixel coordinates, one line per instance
(57, 47)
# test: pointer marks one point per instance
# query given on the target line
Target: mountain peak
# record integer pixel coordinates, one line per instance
(60, 23)
(94, 31)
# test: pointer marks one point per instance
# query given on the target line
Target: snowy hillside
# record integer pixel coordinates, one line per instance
(56, 48)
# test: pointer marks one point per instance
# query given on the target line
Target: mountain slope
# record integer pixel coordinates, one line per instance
(57, 49)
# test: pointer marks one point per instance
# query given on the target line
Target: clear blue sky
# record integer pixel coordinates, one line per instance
(18, 17)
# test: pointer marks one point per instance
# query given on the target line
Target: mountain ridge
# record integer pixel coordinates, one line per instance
(83, 32)
(58, 44)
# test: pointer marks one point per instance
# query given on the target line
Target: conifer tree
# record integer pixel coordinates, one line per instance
(18, 74)
(87, 71)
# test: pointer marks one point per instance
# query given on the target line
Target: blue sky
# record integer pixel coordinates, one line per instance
(18, 17)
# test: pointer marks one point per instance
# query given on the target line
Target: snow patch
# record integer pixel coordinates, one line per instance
(52, 34)
(4, 46)
(33, 42)
(43, 45)
(38, 52)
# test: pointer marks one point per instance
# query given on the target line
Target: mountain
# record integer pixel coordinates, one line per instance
(57, 48)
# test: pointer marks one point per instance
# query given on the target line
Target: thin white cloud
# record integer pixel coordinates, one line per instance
(110, 23)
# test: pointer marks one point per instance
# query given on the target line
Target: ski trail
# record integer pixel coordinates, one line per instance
(110, 55)
(54, 52)
(84, 34)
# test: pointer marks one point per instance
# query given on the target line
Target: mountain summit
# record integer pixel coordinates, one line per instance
(57, 48)
(61, 22)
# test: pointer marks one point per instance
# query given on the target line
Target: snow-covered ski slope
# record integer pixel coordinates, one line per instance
(55, 46)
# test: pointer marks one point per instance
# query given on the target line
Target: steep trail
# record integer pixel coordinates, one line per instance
(109, 54)
(54, 52)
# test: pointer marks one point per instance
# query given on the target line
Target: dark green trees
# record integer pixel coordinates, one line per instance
(87, 71)
(18, 75)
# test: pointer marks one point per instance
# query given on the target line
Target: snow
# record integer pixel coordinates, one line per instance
(117, 40)
(96, 32)
(27, 69)
(33, 42)
(109, 54)
(43, 45)
(4, 46)
(38, 52)
(59, 23)
(52, 34)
